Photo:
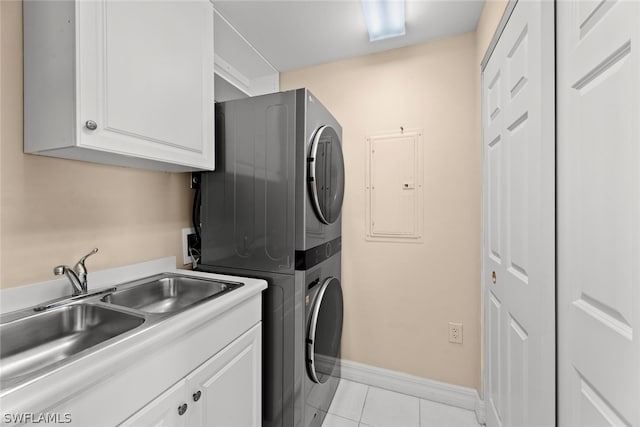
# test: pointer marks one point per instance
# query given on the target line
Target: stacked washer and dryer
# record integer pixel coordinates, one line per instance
(271, 210)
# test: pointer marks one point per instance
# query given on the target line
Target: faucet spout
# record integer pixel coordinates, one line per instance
(78, 288)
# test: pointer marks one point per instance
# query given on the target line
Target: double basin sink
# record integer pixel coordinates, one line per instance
(35, 341)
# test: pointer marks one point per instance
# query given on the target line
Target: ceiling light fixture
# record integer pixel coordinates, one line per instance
(384, 18)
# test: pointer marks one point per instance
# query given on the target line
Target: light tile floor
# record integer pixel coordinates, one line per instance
(360, 405)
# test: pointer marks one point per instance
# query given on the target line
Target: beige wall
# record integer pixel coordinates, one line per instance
(53, 211)
(487, 24)
(399, 298)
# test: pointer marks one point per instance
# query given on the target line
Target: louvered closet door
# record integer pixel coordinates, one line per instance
(518, 199)
(599, 213)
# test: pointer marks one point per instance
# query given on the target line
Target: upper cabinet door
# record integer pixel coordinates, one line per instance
(146, 78)
(142, 84)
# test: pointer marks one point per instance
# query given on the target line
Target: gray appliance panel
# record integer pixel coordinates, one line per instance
(248, 209)
(283, 334)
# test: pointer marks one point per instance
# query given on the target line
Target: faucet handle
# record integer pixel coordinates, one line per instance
(80, 269)
(82, 260)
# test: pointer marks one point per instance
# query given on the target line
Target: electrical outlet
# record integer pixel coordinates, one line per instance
(192, 241)
(195, 180)
(185, 244)
(455, 332)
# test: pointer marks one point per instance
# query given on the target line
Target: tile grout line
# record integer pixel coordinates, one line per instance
(342, 415)
(363, 405)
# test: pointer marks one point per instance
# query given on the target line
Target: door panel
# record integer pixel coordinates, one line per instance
(518, 64)
(519, 264)
(598, 212)
(517, 365)
(127, 102)
(518, 199)
(493, 165)
(494, 387)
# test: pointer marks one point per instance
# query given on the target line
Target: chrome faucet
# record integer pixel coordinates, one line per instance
(76, 275)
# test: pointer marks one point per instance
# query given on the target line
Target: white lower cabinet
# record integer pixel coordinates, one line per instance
(207, 363)
(223, 391)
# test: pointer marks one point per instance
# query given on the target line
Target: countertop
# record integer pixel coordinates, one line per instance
(92, 368)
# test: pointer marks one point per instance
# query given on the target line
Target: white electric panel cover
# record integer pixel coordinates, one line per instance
(394, 187)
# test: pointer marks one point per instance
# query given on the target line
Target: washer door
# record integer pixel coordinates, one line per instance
(325, 331)
(326, 174)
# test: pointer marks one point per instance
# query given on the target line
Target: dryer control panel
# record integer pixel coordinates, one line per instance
(314, 256)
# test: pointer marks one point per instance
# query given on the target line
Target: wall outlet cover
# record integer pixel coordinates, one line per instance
(185, 245)
(455, 333)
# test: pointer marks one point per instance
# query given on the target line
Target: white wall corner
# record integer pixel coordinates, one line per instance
(424, 388)
(481, 414)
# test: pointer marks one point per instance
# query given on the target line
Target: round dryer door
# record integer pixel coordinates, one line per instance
(326, 174)
(325, 331)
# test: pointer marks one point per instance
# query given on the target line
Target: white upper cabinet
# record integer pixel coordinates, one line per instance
(128, 83)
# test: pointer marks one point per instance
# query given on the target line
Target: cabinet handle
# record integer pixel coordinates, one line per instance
(91, 125)
(494, 277)
(182, 409)
(196, 395)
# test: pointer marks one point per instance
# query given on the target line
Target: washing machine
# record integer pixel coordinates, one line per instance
(324, 313)
(272, 210)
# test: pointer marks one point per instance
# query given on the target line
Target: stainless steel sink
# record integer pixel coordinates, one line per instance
(37, 340)
(169, 293)
(34, 342)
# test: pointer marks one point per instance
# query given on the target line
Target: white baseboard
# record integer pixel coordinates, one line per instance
(424, 388)
(480, 411)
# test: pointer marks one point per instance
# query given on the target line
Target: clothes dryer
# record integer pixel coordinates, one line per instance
(278, 187)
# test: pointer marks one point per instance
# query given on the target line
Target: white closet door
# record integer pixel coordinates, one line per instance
(519, 206)
(599, 213)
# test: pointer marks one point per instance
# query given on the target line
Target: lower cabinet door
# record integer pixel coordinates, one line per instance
(168, 410)
(226, 390)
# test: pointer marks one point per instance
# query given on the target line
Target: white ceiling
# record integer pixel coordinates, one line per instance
(295, 34)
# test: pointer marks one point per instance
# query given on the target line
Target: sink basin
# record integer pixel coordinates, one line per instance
(40, 340)
(169, 293)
